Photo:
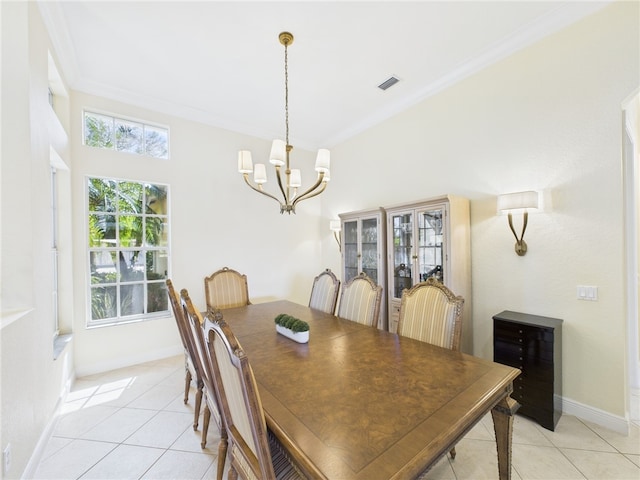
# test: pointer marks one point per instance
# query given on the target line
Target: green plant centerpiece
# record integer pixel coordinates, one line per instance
(292, 327)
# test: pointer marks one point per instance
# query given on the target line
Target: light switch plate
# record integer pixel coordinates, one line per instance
(588, 292)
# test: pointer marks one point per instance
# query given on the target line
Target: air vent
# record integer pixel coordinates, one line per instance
(389, 82)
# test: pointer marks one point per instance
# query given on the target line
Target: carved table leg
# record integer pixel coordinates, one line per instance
(502, 415)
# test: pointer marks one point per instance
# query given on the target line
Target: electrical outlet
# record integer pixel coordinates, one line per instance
(6, 458)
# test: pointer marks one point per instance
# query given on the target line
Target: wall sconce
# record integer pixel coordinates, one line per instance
(515, 203)
(335, 226)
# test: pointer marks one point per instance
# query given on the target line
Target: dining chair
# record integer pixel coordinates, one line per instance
(212, 402)
(191, 361)
(226, 288)
(360, 300)
(324, 292)
(254, 452)
(432, 313)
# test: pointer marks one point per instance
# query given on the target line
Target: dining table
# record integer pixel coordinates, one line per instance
(357, 402)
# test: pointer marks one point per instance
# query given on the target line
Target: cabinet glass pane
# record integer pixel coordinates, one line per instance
(370, 248)
(430, 238)
(350, 248)
(402, 225)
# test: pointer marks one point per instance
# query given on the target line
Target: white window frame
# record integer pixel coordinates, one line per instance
(120, 118)
(117, 248)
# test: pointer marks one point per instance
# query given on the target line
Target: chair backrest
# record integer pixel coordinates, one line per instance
(226, 288)
(196, 332)
(431, 313)
(360, 300)
(239, 401)
(324, 293)
(184, 329)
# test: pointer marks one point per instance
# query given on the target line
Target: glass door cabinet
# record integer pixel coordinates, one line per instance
(363, 250)
(417, 239)
(420, 245)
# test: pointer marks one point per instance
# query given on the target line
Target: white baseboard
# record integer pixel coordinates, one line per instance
(121, 362)
(595, 415)
(38, 451)
(634, 408)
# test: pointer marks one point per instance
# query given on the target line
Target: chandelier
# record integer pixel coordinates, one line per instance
(279, 158)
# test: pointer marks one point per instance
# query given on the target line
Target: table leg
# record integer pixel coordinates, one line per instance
(502, 415)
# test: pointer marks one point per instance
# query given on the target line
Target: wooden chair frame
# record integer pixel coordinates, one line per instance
(334, 295)
(212, 402)
(255, 461)
(192, 361)
(451, 298)
(211, 294)
(372, 321)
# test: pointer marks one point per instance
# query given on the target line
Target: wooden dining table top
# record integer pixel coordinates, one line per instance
(356, 402)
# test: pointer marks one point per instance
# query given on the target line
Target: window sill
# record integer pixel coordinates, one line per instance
(60, 343)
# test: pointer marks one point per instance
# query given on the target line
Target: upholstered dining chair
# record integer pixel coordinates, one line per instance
(226, 288)
(193, 368)
(254, 452)
(324, 292)
(432, 313)
(360, 300)
(212, 402)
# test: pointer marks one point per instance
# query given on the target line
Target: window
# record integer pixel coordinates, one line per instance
(104, 131)
(128, 227)
(54, 249)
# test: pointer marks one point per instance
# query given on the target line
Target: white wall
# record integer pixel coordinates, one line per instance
(548, 117)
(32, 382)
(216, 221)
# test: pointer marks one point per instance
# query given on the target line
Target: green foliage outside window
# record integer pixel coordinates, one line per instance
(103, 131)
(128, 249)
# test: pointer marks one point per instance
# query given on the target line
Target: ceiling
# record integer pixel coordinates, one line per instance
(221, 63)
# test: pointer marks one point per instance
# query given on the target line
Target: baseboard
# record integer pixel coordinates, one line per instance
(634, 407)
(45, 436)
(595, 415)
(121, 362)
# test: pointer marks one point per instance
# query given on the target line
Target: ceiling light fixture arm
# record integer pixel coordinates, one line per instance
(311, 193)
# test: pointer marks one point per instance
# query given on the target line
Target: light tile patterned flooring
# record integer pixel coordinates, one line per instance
(131, 423)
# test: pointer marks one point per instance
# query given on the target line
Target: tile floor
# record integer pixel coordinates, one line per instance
(131, 423)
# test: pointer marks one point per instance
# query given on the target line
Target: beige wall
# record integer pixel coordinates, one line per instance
(215, 220)
(550, 118)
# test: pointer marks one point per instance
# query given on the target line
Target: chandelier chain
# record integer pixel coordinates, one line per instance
(286, 94)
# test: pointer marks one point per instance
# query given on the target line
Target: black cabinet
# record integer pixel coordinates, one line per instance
(534, 345)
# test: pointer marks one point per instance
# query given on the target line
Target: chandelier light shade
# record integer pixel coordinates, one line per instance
(289, 179)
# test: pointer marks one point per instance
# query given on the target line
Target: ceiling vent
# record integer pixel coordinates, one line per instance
(389, 82)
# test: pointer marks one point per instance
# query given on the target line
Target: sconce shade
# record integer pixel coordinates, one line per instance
(517, 201)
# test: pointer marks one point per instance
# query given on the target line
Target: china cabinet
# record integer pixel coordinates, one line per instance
(430, 238)
(363, 250)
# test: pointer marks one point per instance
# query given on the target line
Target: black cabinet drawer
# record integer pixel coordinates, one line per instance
(519, 333)
(532, 350)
